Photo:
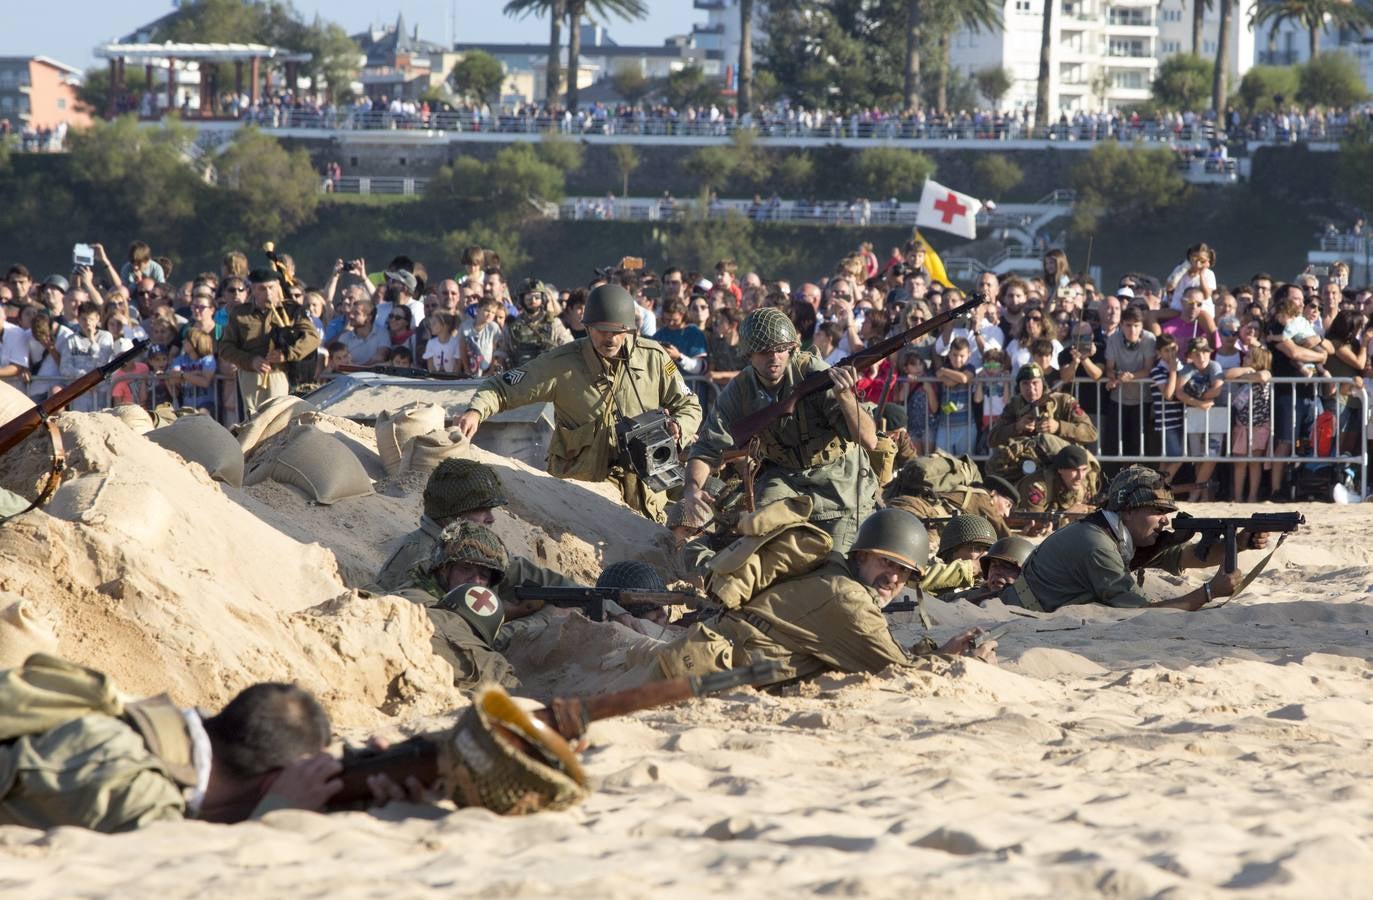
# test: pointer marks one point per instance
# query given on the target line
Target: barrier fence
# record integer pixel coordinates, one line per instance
(1318, 421)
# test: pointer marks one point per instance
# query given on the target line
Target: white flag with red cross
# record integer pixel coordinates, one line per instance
(948, 210)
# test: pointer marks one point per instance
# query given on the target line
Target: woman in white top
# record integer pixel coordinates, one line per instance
(1031, 330)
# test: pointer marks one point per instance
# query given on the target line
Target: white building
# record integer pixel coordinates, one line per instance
(719, 35)
(1175, 34)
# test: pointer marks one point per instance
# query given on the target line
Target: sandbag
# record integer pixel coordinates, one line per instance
(13, 402)
(22, 632)
(200, 439)
(395, 429)
(424, 453)
(132, 415)
(272, 418)
(319, 464)
(776, 542)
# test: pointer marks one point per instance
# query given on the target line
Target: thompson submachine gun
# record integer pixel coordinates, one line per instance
(592, 600)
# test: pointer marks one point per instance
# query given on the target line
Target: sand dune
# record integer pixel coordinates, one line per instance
(1114, 753)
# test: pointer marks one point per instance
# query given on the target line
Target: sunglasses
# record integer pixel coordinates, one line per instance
(399, 318)
(237, 290)
(1035, 318)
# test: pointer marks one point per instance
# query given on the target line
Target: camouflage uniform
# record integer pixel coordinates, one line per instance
(532, 334)
(1073, 424)
(589, 393)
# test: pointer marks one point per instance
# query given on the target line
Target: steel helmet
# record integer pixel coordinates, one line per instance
(612, 305)
(962, 530)
(1014, 550)
(458, 486)
(472, 544)
(767, 329)
(1139, 486)
(896, 534)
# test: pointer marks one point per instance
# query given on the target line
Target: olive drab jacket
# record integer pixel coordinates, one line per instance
(1044, 491)
(589, 394)
(823, 621)
(248, 334)
(1073, 424)
(810, 452)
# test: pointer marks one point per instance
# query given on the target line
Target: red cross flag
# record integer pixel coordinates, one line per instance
(948, 210)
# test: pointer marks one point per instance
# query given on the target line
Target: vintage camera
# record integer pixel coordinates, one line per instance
(651, 449)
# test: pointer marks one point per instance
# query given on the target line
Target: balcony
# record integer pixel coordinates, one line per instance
(1130, 18)
(1278, 57)
(709, 5)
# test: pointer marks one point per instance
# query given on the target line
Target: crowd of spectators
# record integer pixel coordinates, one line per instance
(1182, 366)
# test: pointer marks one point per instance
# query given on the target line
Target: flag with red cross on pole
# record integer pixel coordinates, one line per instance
(948, 210)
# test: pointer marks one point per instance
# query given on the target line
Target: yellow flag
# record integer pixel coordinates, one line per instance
(933, 264)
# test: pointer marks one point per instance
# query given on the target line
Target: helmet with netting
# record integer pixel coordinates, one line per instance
(459, 486)
(767, 329)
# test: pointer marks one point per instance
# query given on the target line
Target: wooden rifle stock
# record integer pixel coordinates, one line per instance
(569, 716)
(749, 426)
(24, 424)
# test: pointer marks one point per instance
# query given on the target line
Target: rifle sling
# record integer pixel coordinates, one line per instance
(1253, 573)
(55, 472)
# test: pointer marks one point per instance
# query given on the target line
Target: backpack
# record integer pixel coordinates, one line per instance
(1023, 456)
(935, 474)
(776, 542)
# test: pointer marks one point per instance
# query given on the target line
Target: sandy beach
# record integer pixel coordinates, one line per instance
(1118, 754)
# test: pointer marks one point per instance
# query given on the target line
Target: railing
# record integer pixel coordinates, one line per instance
(1133, 437)
(600, 122)
(375, 184)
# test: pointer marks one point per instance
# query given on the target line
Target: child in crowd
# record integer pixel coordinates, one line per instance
(827, 340)
(1167, 410)
(159, 360)
(918, 408)
(444, 350)
(335, 355)
(194, 370)
(479, 339)
(1251, 417)
(1043, 354)
(992, 386)
(955, 431)
(401, 357)
(1201, 381)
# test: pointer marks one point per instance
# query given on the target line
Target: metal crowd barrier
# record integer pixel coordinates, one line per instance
(1136, 438)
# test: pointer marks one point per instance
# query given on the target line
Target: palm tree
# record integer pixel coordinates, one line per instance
(1222, 72)
(1199, 10)
(911, 88)
(745, 57)
(600, 9)
(974, 15)
(1312, 15)
(1046, 43)
(556, 9)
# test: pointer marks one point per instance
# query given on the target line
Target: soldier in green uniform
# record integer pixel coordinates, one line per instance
(1000, 567)
(830, 619)
(1031, 412)
(262, 337)
(592, 383)
(533, 332)
(820, 451)
(72, 753)
(1068, 484)
(1091, 560)
(456, 587)
(456, 489)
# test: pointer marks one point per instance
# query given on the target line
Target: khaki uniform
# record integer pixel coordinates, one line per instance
(248, 335)
(1073, 424)
(94, 772)
(415, 549)
(824, 621)
(1085, 563)
(589, 394)
(978, 502)
(1044, 491)
(949, 576)
(810, 452)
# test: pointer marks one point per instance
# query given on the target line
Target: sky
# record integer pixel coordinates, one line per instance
(67, 30)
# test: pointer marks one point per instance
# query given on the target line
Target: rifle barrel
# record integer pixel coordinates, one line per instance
(746, 428)
(24, 424)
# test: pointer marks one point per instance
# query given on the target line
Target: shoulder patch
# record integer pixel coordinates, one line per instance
(513, 377)
(1036, 496)
(670, 367)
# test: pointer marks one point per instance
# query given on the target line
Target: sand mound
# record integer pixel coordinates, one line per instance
(569, 526)
(150, 573)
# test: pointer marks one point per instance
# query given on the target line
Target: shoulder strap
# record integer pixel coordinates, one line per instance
(160, 723)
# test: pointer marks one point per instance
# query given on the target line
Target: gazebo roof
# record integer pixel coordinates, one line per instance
(204, 52)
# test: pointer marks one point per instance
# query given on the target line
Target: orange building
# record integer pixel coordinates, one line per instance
(38, 92)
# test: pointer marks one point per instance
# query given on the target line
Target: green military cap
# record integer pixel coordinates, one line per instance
(963, 530)
(1071, 457)
(767, 329)
(1139, 486)
(471, 544)
(1028, 371)
(459, 486)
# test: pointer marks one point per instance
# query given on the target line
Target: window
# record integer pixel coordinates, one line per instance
(1022, 6)
(61, 102)
(6, 103)
(1128, 80)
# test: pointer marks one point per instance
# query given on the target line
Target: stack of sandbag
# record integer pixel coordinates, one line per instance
(200, 439)
(136, 417)
(318, 463)
(414, 439)
(272, 418)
